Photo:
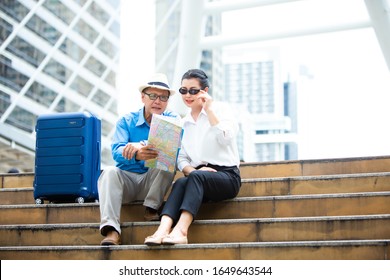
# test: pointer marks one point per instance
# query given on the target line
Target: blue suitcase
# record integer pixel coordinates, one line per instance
(67, 157)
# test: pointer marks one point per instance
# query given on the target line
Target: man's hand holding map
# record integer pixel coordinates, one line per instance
(165, 136)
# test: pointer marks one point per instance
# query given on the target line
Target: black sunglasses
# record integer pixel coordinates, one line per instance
(191, 91)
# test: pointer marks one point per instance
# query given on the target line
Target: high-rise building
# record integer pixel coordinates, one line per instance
(253, 83)
(55, 56)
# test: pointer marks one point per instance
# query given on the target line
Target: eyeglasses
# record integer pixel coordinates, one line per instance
(153, 96)
(191, 91)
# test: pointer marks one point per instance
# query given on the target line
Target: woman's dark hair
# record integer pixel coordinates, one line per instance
(199, 75)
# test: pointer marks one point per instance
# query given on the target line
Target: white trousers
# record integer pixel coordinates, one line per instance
(117, 186)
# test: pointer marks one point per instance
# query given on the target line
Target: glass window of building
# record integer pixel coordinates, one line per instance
(22, 119)
(66, 105)
(26, 51)
(95, 66)
(11, 77)
(43, 29)
(5, 101)
(101, 98)
(86, 31)
(266, 152)
(111, 78)
(98, 13)
(41, 94)
(81, 2)
(5, 30)
(14, 9)
(56, 70)
(71, 49)
(108, 48)
(81, 86)
(60, 10)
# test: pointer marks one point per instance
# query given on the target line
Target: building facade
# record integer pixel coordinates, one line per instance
(253, 82)
(56, 56)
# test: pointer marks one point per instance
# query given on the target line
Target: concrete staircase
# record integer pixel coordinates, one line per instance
(306, 209)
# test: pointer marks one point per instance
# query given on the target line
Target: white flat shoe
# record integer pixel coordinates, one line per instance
(170, 240)
(154, 240)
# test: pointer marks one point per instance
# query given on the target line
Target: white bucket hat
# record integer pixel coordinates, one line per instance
(159, 81)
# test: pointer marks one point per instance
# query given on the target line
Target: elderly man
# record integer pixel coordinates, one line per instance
(130, 180)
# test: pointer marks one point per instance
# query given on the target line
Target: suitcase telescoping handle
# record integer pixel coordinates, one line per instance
(98, 142)
(98, 156)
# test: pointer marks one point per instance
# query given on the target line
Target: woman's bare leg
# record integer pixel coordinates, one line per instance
(182, 226)
(165, 226)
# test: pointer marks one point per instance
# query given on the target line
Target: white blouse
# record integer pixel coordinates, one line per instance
(203, 143)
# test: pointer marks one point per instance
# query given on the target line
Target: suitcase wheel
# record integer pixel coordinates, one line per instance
(39, 201)
(80, 200)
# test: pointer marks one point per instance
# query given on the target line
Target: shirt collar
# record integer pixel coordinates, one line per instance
(141, 118)
(189, 118)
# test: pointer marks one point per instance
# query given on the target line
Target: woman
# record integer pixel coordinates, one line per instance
(208, 158)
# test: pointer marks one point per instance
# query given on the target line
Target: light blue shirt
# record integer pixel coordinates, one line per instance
(132, 127)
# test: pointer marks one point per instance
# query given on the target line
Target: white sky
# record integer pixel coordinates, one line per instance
(344, 108)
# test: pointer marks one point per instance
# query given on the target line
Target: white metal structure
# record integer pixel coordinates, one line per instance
(191, 40)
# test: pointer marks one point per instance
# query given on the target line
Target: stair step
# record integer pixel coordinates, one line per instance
(238, 208)
(300, 185)
(302, 250)
(208, 231)
(315, 167)
(264, 169)
(16, 180)
(321, 184)
(13, 196)
(303, 209)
